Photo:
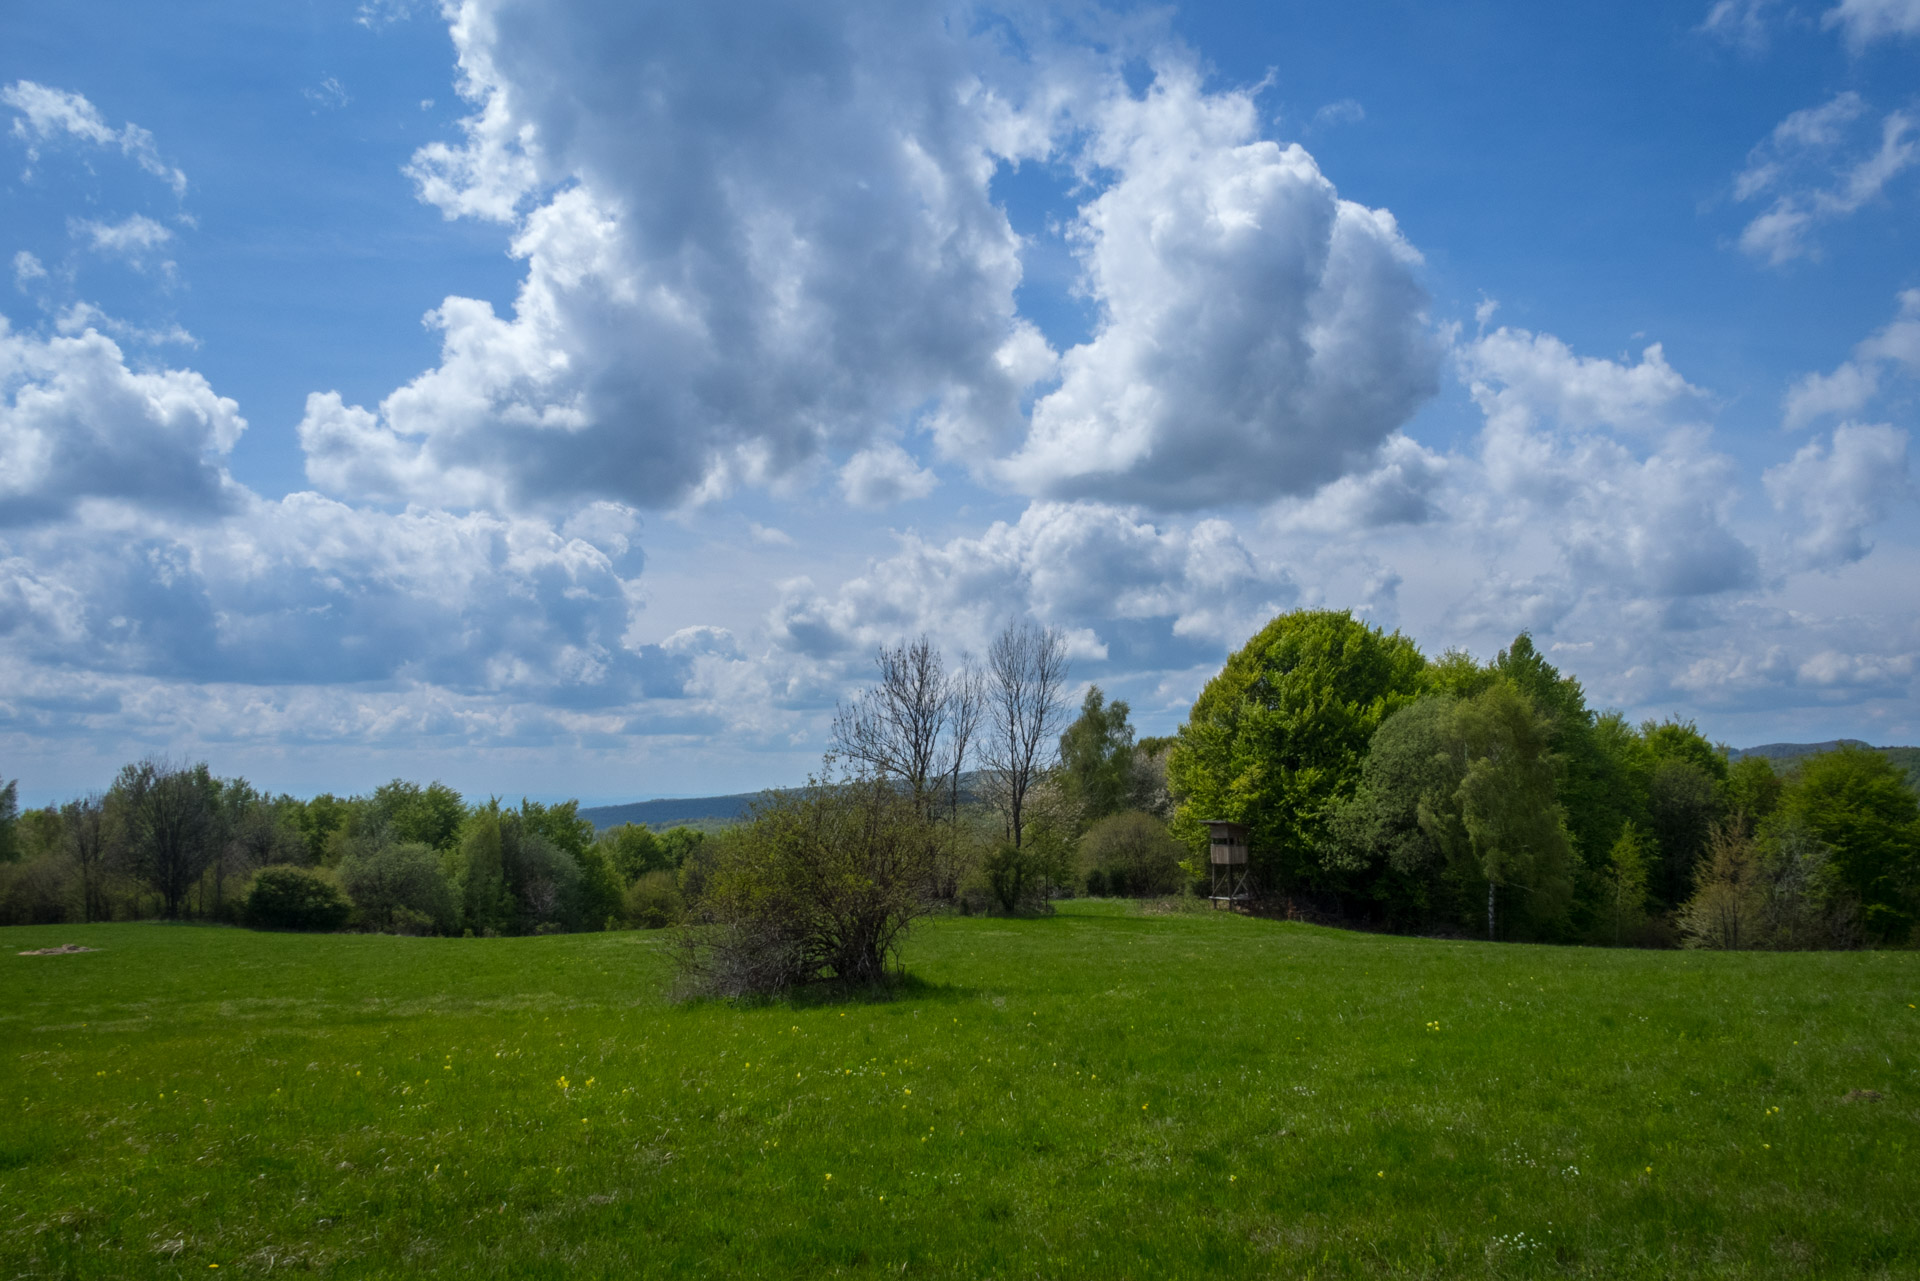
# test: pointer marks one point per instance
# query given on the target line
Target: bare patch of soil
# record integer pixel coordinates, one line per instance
(65, 949)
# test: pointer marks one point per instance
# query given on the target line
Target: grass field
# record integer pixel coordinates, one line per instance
(1099, 1094)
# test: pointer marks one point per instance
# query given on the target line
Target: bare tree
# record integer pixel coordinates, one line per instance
(87, 837)
(917, 728)
(898, 729)
(1025, 679)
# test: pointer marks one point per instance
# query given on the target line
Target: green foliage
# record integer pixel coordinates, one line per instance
(560, 825)
(429, 816)
(1131, 854)
(1503, 825)
(1856, 802)
(170, 816)
(1753, 789)
(287, 897)
(1277, 740)
(653, 901)
(1684, 803)
(1377, 834)
(600, 889)
(1624, 898)
(318, 820)
(632, 851)
(486, 907)
(677, 845)
(1682, 740)
(9, 819)
(1096, 757)
(820, 884)
(399, 889)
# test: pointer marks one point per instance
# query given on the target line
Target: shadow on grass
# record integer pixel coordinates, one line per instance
(831, 992)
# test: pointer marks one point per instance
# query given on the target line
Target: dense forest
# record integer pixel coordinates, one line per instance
(1380, 788)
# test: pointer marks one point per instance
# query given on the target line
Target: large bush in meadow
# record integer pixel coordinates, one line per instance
(399, 889)
(286, 897)
(820, 885)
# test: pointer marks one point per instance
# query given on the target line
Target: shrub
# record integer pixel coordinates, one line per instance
(820, 884)
(285, 897)
(1131, 854)
(1013, 873)
(653, 901)
(399, 889)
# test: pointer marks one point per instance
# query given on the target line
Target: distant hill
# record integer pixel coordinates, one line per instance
(691, 811)
(1906, 758)
(1793, 751)
(709, 812)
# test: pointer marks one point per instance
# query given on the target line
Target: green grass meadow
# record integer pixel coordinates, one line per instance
(1103, 1093)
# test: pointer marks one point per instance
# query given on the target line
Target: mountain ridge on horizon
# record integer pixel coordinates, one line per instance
(730, 808)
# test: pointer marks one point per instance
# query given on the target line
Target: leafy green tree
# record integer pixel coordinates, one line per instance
(1684, 803)
(1277, 739)
(1096, 757)
(1504, 827)
(9, 818)
(1753, 789)
(561, 825)
(1629, 863)
(1727, 909)
(318, 820)
(171, 816)
(600, 890)
(1605, 768)
(632, 851)
(429, 816)
(1856, 802)
(485, 905)
(1681, 740)
(677, 845)
(1377, 834)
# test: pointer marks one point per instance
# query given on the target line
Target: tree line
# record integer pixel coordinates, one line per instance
(1491, 799)
(170, 840)
(1379, 787)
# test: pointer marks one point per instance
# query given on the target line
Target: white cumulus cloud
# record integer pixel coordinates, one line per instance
(1259, 335)
(1836, 492)
(76, 423)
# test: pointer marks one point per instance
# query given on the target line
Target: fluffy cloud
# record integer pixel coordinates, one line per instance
(1121, 587)
(48, 115)
(749, 240)
(884, 474)
(779, 243)
(76, 423)
(307, 590)
(1810, 183)
(1865, 21)
(1853, 384)
(1259, 335)
(1609, 465)
(1836, 493)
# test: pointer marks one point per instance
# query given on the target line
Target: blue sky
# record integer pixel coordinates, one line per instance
(566, 398)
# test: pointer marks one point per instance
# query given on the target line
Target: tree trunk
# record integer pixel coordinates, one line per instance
(1490, 889)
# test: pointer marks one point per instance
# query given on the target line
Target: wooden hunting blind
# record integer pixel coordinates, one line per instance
(1227, 855)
